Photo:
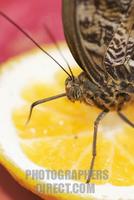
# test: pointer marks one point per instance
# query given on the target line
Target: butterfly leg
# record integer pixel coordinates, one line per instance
(43, 101)
(125, 119)
(96, 124)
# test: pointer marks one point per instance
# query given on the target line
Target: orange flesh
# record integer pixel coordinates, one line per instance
(59, 136)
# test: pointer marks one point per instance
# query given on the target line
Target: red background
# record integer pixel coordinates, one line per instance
(31, 15)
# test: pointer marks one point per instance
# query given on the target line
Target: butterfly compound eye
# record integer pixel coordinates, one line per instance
(73, 90)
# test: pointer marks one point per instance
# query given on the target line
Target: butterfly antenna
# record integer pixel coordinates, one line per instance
(58, 48)
(30, 38)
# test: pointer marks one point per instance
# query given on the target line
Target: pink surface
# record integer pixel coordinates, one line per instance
(11, 190)
(31, 15)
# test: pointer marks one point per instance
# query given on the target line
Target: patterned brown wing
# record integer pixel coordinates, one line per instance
(89, 26)
(119, 57)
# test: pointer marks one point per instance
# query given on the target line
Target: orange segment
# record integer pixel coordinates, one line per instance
(59, 136)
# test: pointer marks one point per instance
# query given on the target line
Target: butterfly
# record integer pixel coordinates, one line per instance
(100, 35)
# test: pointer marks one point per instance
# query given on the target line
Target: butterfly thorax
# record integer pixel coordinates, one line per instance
(106, 96)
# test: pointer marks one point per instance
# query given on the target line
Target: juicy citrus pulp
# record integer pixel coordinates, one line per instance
(60, 126)
(59, 135)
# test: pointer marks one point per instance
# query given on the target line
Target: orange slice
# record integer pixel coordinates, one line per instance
(59, 135)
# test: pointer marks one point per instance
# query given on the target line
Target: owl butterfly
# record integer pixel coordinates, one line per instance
(100, 35)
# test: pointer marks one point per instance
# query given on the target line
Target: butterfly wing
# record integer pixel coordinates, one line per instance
(89, 27)
(119, 57)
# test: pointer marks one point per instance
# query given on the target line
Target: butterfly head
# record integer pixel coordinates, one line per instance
(73, 90)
